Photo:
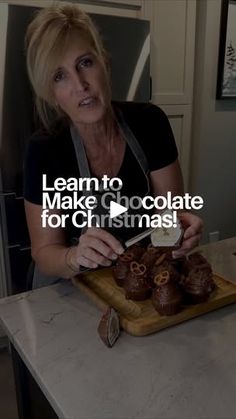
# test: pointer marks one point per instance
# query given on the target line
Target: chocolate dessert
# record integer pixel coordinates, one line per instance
(157, 268)
(136, 285)
(198, 285)
(196, 261)
(122, 267)
(136, 251)
(150, 256)
(173, 280)
(166, 297)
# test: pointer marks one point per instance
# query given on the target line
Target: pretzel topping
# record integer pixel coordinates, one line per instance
(160, 259)
(138, 268)
(162, 278)
(126, 257)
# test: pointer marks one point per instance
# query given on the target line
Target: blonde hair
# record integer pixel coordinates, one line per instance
(47, 38)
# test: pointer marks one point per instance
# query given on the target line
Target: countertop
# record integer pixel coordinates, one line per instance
(184, 372)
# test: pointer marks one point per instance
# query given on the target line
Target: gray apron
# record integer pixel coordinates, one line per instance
(40, 280)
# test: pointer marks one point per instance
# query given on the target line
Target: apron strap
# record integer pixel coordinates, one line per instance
(81, 157)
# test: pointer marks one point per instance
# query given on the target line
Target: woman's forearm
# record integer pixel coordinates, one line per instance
(54, 260)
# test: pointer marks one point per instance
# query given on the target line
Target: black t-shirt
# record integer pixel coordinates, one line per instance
(54, 155)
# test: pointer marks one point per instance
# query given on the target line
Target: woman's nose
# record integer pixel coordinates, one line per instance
(80, 84)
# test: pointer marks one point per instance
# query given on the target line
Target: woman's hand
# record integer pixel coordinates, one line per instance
(96, 247)
(192, 225)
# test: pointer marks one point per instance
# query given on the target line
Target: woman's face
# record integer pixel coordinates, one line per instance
(80, 84)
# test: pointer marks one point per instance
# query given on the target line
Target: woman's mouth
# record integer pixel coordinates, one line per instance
(88, 101)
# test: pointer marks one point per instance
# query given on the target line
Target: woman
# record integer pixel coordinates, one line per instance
(90, 136)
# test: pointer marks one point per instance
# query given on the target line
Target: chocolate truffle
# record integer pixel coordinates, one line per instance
(167, 297)
(198, 286)
(164, 266)
(136, 286)
(196, 261)
(150, 256)
(136, 251)
(122, 267)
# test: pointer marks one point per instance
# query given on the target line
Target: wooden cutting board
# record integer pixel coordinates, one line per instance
(139, 318)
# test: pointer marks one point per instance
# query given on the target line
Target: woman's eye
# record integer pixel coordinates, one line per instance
(58, 76)
(86, 62)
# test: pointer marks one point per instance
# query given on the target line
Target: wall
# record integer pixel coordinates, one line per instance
(213, 157)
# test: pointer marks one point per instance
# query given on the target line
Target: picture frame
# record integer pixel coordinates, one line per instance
(226, 80)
